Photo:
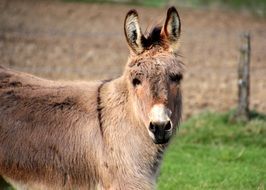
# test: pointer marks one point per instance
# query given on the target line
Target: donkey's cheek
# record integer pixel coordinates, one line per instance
(142, 95)
(173, 89)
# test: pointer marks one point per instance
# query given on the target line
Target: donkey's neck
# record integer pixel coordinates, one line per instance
(127, 146)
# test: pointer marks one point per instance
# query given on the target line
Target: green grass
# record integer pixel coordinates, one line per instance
(147, 3)
(258, 7)
(209, 152)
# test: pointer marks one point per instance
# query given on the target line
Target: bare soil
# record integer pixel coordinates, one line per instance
(73, 41)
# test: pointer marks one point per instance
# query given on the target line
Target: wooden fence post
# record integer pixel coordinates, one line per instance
(242, 113)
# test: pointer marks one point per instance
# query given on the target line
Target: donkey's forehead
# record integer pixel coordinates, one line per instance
(163, 63)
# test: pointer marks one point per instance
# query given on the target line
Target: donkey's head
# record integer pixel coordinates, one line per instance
(154, 73)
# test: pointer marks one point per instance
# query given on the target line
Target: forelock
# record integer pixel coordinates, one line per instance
(162, 63)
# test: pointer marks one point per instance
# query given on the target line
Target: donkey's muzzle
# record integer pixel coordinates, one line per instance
(162, 131)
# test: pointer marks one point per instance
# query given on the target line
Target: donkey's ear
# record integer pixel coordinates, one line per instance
(133, 32)
(172, 28)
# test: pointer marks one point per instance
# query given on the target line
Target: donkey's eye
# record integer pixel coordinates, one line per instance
(176, 77)
(136, 82)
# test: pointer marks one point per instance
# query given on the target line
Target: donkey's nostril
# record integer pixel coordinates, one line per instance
(152, 127)
(160, 131)
(168, 126)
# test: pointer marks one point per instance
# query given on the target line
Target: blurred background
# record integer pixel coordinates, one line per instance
(84, 40)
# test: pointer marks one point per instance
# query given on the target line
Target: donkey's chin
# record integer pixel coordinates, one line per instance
(156, 140)
(161, 141)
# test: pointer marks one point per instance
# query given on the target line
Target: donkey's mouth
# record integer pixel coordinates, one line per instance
(161, 141)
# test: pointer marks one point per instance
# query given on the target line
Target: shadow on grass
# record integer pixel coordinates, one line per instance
(256, 115)
(4, 185)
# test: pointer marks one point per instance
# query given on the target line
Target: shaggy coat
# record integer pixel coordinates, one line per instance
(93, 135)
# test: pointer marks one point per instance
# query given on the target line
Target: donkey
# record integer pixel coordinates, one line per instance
(95, 135)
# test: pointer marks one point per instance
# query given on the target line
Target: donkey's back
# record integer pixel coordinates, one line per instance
(55, 121)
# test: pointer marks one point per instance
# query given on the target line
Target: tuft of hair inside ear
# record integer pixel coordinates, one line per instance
(172, 29)
(175, 26)
(133, 32)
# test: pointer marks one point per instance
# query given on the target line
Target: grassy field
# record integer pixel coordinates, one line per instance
(211, 153)
(258, 7)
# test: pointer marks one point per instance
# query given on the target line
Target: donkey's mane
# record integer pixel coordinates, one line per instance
(153, 37)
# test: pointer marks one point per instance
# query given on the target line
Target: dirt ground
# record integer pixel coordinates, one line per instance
(73, 41)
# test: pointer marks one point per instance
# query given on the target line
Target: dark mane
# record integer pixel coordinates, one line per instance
(153, 38)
